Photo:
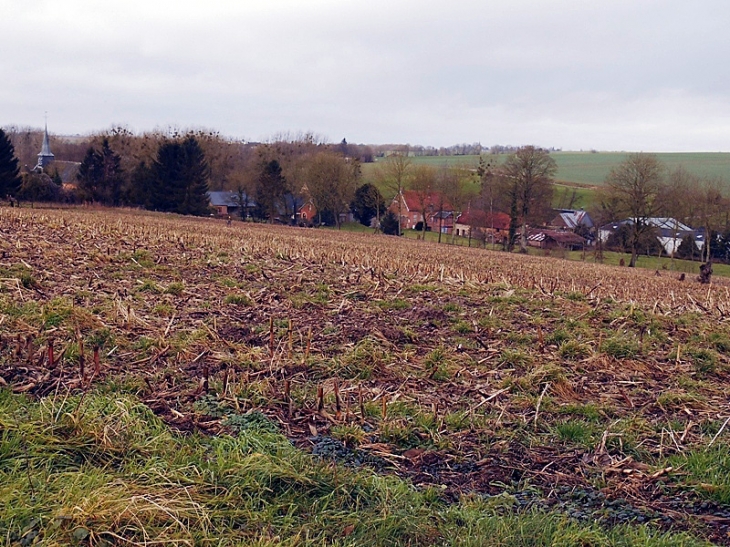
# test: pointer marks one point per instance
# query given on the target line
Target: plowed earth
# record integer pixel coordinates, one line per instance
(569, 386)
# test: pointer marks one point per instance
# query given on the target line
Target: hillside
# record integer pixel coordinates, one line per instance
(591, 168)
(179, 380)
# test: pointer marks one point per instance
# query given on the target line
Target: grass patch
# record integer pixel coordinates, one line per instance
(708, 471)
(394, 304)
(438, 364)
(175, 288)
(516, 358)
(237, 299)
(576, 432)
(364, 360)
(573, 350)
(620, 347)
(704, 361)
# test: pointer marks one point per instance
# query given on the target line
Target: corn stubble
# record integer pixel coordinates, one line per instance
(473, 374)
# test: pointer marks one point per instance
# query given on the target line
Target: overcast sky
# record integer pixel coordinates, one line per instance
(638, 75)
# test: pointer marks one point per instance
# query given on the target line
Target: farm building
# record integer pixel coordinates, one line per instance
(571, 219)
(670, 232)
(413, 204)
(229, 203)
(442, 221)
(475, 220)
(307, 212)
(555, 239)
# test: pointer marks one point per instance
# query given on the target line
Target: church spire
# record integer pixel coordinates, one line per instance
(46, 156)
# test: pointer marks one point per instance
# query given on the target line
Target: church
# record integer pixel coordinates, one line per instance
(45, 157)
(66, 170)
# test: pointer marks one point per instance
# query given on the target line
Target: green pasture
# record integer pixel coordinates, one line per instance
(591, 168)
(572, 197)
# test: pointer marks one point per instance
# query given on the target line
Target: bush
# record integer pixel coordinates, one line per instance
(389, 224)
(39, 187)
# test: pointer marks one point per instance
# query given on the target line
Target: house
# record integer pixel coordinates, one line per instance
(306, 213)
(555, 239)
(410, 203)
(230, 203)
(67, 170)
(670, 232)
(571, 219)
(442, 221)
(472, 221)
(287, 208)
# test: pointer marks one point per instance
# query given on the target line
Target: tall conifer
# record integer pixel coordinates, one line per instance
(9, 172)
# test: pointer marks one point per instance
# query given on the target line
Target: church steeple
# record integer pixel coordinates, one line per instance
(46, 156)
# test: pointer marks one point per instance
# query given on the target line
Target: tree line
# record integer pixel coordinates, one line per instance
(172, 171)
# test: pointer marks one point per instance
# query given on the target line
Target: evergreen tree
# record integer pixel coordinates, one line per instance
(100, 176)
(367, 204)
(142, 185)
(179, 178)
(196, 173)
(389, 224)
(9, 172)
(270, 190)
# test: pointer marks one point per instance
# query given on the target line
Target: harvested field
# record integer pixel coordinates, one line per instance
(601, 393)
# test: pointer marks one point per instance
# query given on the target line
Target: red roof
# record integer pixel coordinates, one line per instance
(481, 219)
(434, 201)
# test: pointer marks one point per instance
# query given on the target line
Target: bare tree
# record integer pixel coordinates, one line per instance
(634, 186)
(332, 180)
(488, 192)
(527, 181)
(423, 183)
(445, 181)
(455, 180)
(679, 199)
(394, 173)
(712, 206)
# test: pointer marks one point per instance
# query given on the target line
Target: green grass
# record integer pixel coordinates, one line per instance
(588, 168)
(664, 264)
(104, 470)
(707, 470)
(593, 168)
(573, 196)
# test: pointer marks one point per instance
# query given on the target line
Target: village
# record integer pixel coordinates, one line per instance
(452, 217)
(569, 229)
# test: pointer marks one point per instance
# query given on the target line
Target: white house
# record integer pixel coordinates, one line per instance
(670, 232)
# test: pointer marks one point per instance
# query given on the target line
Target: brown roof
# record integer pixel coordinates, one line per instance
(436, 201)
(563, 238)
(482, 219)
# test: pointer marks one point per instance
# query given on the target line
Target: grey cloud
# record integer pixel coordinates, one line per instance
(641, 74)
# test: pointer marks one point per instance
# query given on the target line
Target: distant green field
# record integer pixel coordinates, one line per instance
(591, 168)
(572, 197)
